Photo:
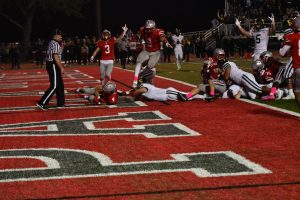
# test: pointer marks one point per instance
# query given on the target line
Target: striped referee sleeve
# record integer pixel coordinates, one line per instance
(53, 48)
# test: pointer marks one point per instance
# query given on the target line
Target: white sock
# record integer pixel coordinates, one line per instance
(137, 69)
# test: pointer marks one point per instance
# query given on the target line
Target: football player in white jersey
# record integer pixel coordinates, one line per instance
(232, 72)
(260, 34)
(177, 42)
(151, 92)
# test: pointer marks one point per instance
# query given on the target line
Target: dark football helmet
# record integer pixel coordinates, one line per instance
(259, 23)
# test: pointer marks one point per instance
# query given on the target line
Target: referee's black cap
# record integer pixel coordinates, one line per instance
(56, 32)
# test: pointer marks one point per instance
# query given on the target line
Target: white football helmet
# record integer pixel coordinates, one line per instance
(105, 36)
(150, 24)
(109, 88)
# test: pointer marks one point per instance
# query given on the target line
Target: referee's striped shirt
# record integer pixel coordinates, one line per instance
(53, 48)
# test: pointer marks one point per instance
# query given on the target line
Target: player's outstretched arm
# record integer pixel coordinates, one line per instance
(125, 29)
(273, 25)
(242, 30)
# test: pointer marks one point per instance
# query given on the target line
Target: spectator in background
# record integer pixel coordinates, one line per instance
(15, 55)
(187, 50)
(39, 53)
(167, 51)
(123, 48)
(200, 46)
(84, 52)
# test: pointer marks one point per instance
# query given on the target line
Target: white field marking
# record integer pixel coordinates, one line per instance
(10, 109)
(87, 118)
(106, 161)
(51, 127)
(90, 126)
(49, 162)
(271, 107)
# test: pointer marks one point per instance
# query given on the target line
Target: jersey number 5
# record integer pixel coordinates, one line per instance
(257, 38)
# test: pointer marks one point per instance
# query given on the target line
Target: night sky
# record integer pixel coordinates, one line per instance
(190, 15)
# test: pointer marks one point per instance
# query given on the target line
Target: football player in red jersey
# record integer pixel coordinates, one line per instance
(100, 94)
(107, 45)
(292, 45)
(152, 38)
(211, 76)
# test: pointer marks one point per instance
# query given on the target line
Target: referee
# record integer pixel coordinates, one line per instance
(55, 70)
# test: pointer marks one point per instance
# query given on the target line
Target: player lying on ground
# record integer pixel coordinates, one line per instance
(99, 94)
(150, 92)
(212, 82)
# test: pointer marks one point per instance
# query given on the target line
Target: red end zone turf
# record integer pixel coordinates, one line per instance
(226, 149)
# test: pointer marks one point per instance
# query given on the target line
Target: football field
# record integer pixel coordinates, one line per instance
(227, 149)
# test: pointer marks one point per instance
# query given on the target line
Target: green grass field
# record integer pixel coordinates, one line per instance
(190, 73)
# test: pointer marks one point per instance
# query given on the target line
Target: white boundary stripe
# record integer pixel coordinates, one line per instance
(271, 107)
(244, 100)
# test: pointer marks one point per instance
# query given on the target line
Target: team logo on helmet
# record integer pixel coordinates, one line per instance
(258, 65)
(109, 88)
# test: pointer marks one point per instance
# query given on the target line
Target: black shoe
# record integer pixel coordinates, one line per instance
(210, 98)
(182, 97)
(42, 107)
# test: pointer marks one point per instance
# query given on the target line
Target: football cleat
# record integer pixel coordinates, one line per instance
(210, 98)
(182, 97)
(279, 94)
(289, 96)
(42, 107)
